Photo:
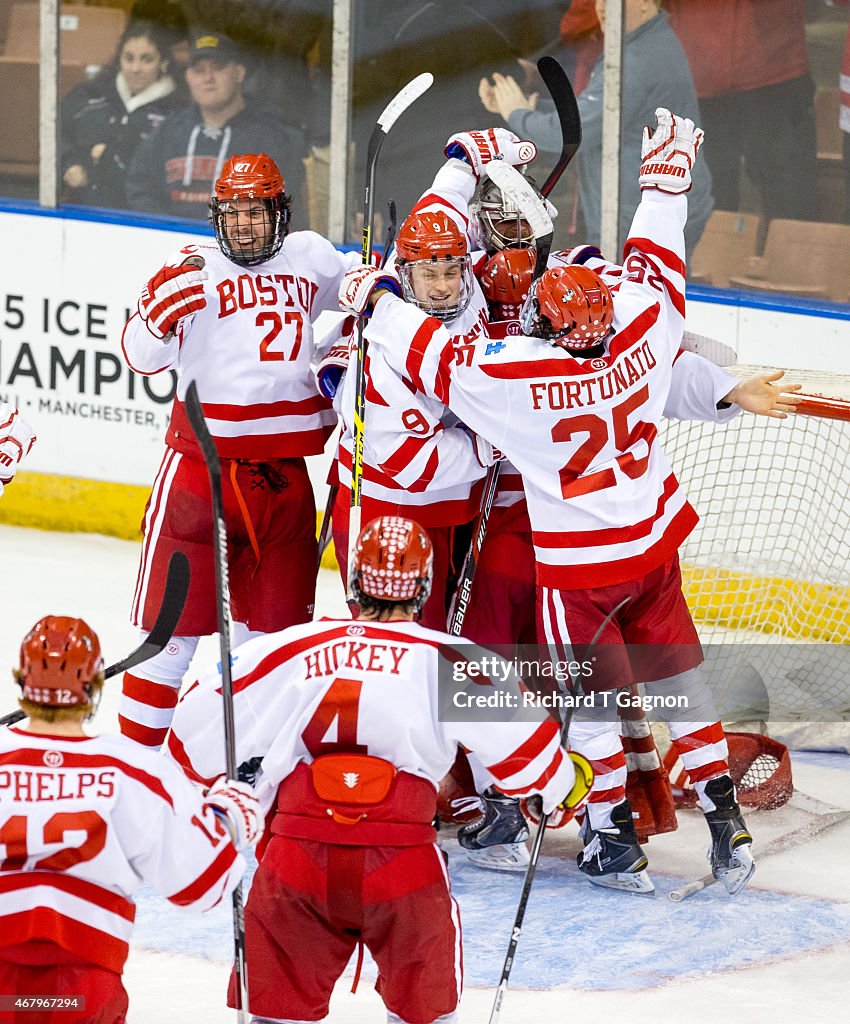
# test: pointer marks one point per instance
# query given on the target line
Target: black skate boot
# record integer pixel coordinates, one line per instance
(612, 857)
(497, 839)
(730, 855)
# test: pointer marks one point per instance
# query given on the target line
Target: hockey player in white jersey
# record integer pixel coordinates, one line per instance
(84, 821)
(575, 405)
(346, 718)
(418, 462)
(237, 318)
(16, 441)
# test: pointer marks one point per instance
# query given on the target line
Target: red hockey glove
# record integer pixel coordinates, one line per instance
(565, 811)
(239, 809)
(16, 440)
(358, 284)
(171, 294)
(668, 153)
(480, 147)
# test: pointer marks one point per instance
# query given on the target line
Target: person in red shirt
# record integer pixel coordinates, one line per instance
(756, 96)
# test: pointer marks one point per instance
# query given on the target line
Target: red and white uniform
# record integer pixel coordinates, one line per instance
(83, 823)
(333, 871)
(418, 462)
(606, 510)
(249, 349)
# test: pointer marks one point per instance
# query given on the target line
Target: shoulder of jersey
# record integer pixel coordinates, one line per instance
(299, 242)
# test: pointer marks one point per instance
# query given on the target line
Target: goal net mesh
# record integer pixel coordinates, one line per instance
(767, 571)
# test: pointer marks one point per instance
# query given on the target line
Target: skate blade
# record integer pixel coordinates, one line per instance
(735, 877)
(637, 882)
(505, 857)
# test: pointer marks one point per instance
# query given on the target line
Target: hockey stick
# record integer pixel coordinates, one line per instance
(195, 413)
(531, 870)
(325, 532)
(823, 820)
(173, 600)
(394, 109)
(523, 196)
(566, 107)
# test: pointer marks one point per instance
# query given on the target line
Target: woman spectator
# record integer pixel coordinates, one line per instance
(103, 121)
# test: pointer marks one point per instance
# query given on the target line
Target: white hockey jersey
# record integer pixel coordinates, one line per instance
(418, 461)
(250, 350)
(604, 504)
(366, 687)
(83, 823)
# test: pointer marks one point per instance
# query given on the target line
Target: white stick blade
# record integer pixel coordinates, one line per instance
(709, 348)
(403, 99)
(521, 194)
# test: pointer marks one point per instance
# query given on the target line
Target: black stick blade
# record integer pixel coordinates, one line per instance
(566, 106)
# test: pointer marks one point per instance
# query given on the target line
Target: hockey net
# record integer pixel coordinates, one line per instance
(767, 571)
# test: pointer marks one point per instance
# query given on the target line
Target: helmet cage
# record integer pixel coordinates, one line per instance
(278, 212)
(494, 210)
(443, 313)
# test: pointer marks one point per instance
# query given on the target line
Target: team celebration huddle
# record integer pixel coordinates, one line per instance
(498, 481)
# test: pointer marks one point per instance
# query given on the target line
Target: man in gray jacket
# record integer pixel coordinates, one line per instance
(655, 74)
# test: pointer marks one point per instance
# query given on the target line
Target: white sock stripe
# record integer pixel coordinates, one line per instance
(145, 714)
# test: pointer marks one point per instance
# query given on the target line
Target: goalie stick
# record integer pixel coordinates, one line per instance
(516, 930)
(825, 816)
(198, 422)
(325, 532)
(522, 195)
(391, 113)
(173, 600)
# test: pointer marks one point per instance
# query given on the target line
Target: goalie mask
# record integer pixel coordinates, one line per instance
(434, 265)
(250, 209)
(393, 564)
(570, 307)
(60, 666)
(500, 219)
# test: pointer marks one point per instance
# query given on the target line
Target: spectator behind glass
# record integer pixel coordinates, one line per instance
(750, 67)
(844, 121)
(169, 17)
(104, 121)
(655, 74)
(174, 170)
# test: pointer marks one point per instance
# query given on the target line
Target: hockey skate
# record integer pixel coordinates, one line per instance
(730, 855)
(612, 856)
(497, 839)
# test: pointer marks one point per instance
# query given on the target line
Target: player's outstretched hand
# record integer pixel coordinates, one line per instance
(577, 797)
(358, 285)
(761, 396)
(478, 148)
(239, 808)
(171, 294)
(668, 153)
(16, 440)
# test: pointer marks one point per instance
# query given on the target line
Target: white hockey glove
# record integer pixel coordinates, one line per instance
(331, 370)
(565, 811)
(668, 154)
(239, 809)
(486, 454)
(578, 254)
(171, 294)
(480, 147)
(358, 284)
(16, 440)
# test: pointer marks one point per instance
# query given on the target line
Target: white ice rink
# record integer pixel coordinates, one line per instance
(778, 954)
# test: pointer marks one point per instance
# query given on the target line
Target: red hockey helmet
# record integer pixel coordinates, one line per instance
(507, 276)
(569, 306)
(244, 240)
(434, 264)
(393, 562)
(59, 663)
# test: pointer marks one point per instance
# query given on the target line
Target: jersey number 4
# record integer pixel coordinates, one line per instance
(274, 324)
(340, 705)
(13, 835)
(573, 484)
